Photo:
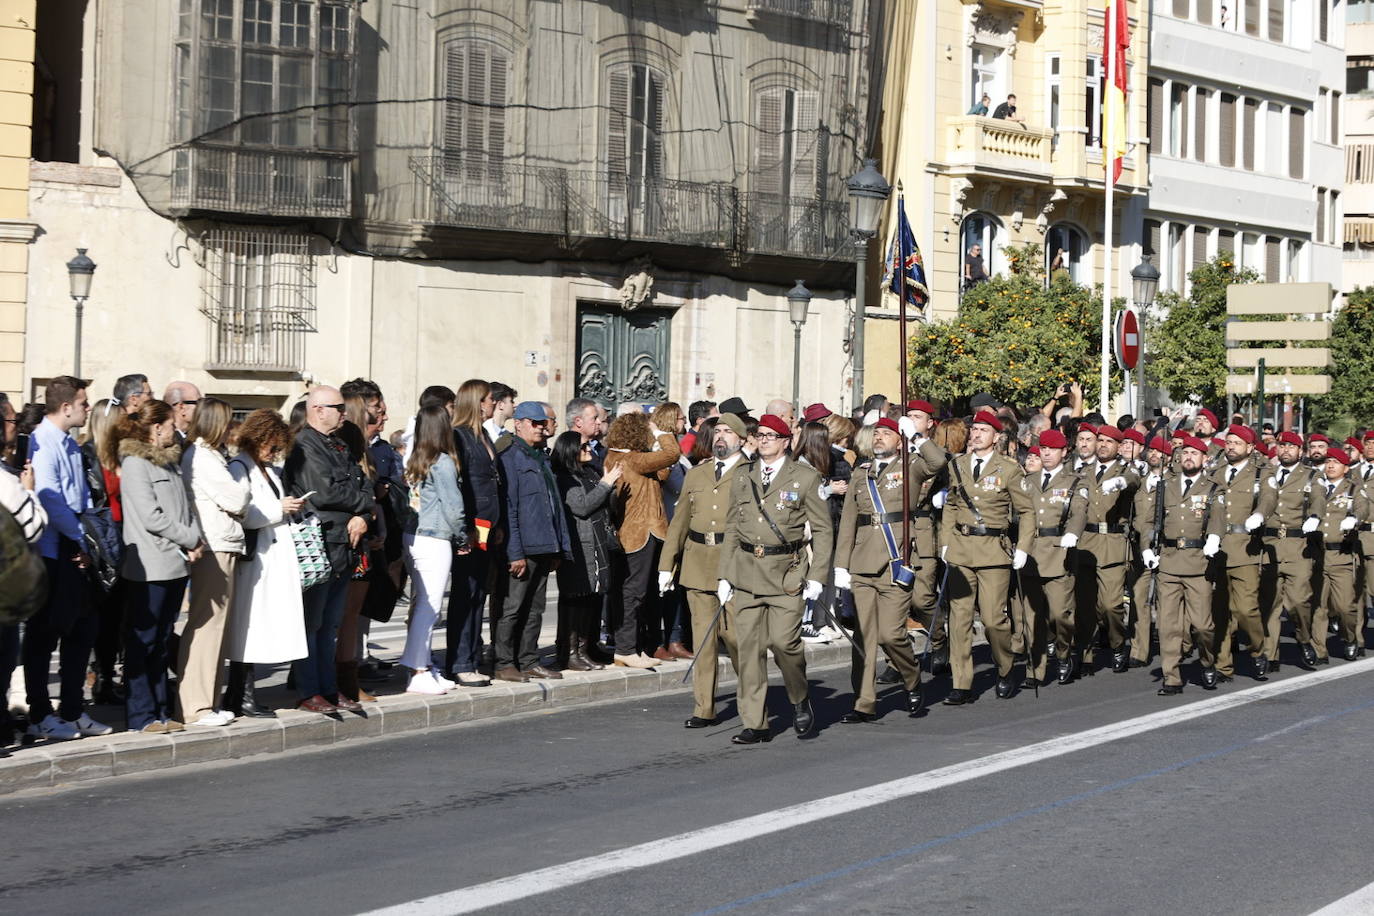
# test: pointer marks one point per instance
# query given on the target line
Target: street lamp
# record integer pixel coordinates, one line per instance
(798, 300)
(868, 191)
(80, 271)
(1144, 284)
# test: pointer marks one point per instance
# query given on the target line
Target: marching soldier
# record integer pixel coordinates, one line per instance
(693, 551)
(1297, 511)
(1317, 447)
(1057, 514)
(985, 492)
(1346, 508)
(1109, 485)
(1236, 601)
(1183, 531)
(1364, 473)
(925, 551)
(1158, 455)
(1205, 426)
(1084, 446)
(868, 562)
(764, 566)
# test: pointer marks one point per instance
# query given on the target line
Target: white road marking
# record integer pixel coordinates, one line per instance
(1357, 904)
(706, 839)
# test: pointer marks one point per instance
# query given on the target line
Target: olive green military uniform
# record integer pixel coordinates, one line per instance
(861, 548)
(1299, 495)
(1139, 577)
(925, 558)
(1236, 602)
(1103, 554)
(693, 550)
(1340, 594)
(985, 494)
(768, 576)
(1363, 474)
(1184, 601)
(1056, 508)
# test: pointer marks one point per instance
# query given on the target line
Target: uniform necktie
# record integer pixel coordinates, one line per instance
(1231, 476)
(1330, 488)
(1187, 484)
(882, 466)
(720, 469)
(977, 467)
(1100, 469)
(767, 477)
(1283, 475)
(1045, 484)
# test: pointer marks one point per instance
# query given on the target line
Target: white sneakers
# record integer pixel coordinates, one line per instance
(213, 719)
(426, 683)
(443, 681)
(55, 729)
(809, 634)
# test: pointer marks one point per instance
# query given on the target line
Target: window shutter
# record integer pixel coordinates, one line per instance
(1252, 17)
(653, 126)
(1295, 142)
(1323, 19)
(455, 71)
(1271, 260)
(1151, 238)
(1247, 141)
(618, 104)
(1199, 247)
(805, 136)
(1156, 106)
(1227, 132)
(1226, 242)
(1180, 9)
(768, 142)
(1335, 118)
(496, 110)
(1276, 20)
(1200, 124)
(475, 113)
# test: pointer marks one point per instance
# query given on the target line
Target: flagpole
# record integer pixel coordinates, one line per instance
(903, 254)
(1109, 179)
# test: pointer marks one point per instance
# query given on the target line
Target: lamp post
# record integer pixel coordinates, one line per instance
(80, 270)
(1144, 285)
(868, 191)
(798, 299)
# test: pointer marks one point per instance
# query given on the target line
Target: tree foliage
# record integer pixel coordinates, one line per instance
(1013, 338)
(1187, 346)
(1349, 406)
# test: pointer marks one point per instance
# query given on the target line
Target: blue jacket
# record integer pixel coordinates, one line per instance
(438, 505)
(535, 521)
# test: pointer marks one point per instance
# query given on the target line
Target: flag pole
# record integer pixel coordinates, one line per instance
(1109, 180)
(903, 254)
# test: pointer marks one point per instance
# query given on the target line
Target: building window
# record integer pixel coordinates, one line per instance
(1092, 97)
(1297, 141)
(474, 109)
(1359, 71)
(1357, 11)
(1226, 131)
(788, 155)
(1334, 135)
(985, 75)
(1178, 120)
(259, 294)
(1052, 94)
(634, 123)
(1199, 144)
(1359, 163)
(1320, 234)
(1065, 250)
(984, 231)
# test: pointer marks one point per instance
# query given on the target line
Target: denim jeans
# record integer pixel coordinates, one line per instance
(324, 607)
(67, 619)
(467, 594)
(148, 621)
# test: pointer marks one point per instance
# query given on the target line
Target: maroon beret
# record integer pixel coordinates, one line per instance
(888, 423)
(988, 418)
(1053, 438)
(776, 424)
(816, 412)
(1087, 428)
(1369, 434)
(1244, 433)
(1034, 450)
(1204, 412)
(1318, 437)
(1160, 444)
(916, 404)
(1289, 437)
(1194, 442)
(1354, 443)
(1111, 432)
(1134, 435)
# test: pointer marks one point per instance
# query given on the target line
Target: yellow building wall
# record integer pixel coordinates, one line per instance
(17, 18)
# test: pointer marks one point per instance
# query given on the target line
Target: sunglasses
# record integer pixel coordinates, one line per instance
(338, 407)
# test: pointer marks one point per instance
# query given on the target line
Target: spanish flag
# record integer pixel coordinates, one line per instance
(1115, 43)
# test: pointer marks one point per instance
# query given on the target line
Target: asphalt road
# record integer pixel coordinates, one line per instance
(1258, 808)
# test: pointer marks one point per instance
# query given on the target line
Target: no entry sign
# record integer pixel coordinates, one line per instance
(1126, 340)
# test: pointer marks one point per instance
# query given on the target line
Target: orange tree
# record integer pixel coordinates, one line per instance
(1013, 338)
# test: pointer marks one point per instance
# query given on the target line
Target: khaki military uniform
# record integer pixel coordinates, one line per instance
(1057, 507)
(1184, 599)
(925, 558)
(1363, 474)
(861, 548)
(1140, 578)
(1236, 601)
(1291, 552)
(976, 529)
(692, 549)
(768, 577)
(1103, 554)
(1339, 599)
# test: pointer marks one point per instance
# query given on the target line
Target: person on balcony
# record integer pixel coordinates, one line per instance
(1007, 111)
(981, 106)
(974, 271)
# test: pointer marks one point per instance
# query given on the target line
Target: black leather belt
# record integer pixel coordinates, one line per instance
(1282, 533)
(770, 550)
(980, 531)
(1339, 545)
(1048, 532)
(1237, 529)
(709, 538)
(892, 518)
(1104, 528)
(923, 513)
(1365, 526)
(1181, 543)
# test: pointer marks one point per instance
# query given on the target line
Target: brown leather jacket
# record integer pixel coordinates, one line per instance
(639, 493)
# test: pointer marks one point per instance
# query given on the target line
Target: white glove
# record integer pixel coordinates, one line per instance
(937, 499)
(907, 426)
(665, 583)
(842, 579)
(1212, 546)
(1112, 484)
(1348, 523)
(1068, 540)
(944, 550)
(1310, 525)
(813, 590)
(1018, 559)
(1254, 522)
(1150, 557)
(724, 591)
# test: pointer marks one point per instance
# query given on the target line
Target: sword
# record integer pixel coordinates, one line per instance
(710, 634)
(834, 618)
(935, 618)
(1027, 633)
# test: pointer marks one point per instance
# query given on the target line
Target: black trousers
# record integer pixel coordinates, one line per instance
(639, 625)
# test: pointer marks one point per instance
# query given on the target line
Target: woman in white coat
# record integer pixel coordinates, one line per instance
(268, 623)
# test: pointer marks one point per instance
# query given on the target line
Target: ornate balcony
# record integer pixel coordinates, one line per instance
(261, 181)
(1006, 148)
(831, 12)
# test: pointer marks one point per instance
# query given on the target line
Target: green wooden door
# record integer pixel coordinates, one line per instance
(622, 356)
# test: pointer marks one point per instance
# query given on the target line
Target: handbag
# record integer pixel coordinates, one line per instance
(380, 601)
(102, 542)
(308, 538)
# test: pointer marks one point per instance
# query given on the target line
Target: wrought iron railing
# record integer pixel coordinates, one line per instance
(518, 197)
(256, 340)
(269, 182)
(834, 12)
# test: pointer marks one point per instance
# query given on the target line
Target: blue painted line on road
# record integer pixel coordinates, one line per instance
(986, 826)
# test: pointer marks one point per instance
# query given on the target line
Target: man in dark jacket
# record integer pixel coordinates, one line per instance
(320, 471)
(536, 540)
